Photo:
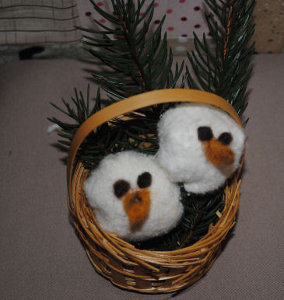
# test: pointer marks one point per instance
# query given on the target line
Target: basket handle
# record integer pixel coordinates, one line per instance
(140, 101)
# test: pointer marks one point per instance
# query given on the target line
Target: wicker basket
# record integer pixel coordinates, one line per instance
(126, 266)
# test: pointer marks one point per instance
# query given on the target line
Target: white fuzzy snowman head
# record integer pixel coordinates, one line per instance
(132, 196)
(200, 146)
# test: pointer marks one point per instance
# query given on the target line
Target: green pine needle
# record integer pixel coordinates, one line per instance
(226, 70)
(139, 61)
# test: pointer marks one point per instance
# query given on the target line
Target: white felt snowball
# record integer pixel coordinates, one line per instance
(165, 207)
(182, 153)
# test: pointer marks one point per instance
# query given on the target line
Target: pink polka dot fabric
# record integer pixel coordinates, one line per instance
(182, 16)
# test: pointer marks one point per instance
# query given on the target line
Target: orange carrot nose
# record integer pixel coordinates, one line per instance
(137, 205)
(217, 153)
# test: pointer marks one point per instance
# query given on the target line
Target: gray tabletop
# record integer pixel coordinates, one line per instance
(41, 256)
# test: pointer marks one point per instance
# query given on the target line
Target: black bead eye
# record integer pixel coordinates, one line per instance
(144, 180)
(120, 188)
(204, 133)
(225, 138)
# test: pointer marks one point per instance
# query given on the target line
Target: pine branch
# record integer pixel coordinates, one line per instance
(94, 147)
(138, 61)
(227, 69)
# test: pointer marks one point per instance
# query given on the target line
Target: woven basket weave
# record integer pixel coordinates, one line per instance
(126, 266)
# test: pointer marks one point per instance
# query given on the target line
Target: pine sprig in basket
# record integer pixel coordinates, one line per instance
(79, 110)
(138, 61)
(226, 69)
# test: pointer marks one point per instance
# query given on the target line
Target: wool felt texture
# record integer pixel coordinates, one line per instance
(200, 146)
(132, 196)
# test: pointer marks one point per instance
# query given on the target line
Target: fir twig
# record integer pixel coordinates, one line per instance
(93, 148)
(227, 69)
(138, 61)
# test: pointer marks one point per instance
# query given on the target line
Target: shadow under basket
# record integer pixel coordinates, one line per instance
(124, 265)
